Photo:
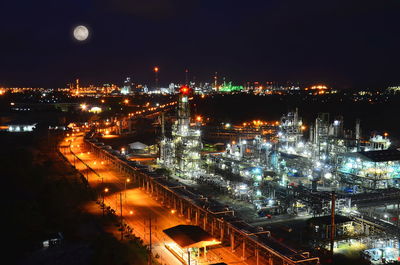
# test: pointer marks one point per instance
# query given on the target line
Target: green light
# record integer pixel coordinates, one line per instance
(228, 87)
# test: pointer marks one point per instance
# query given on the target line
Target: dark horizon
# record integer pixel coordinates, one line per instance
(342, 44)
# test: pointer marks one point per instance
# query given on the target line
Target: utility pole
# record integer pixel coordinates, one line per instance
(102, 205)
(333, 220)
(126, 181)
(103, 193)
(122, 228)
(150, 258)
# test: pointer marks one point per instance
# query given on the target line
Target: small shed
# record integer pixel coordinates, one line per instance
(190, 236)
(188, 239)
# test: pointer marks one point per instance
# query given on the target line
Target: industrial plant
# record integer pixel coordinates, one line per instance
(286, 169)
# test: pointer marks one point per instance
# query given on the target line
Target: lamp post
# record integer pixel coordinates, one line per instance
(126, 181)
(122, 227)
(104, 191)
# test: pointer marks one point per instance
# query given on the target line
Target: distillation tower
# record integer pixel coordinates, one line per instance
(290, 130)
(181, 154)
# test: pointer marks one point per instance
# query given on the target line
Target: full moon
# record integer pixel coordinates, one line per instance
(81, 33)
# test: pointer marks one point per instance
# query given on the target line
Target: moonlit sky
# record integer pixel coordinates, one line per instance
(341, 42)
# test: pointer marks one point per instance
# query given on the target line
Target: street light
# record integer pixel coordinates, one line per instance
(126, 181)
(103, 193)
(199, 118)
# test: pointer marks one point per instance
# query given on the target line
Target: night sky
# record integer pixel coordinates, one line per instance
(343, 43)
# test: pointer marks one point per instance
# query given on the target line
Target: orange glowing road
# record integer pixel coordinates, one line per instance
(137, 206)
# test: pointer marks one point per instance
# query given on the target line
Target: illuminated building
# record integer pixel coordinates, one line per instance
(171, 88)
(127, 88)
(76, 90)
(377, 142)
(394, 89)
(21, 127)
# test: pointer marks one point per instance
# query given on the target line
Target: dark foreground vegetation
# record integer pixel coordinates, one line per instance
(44, 196)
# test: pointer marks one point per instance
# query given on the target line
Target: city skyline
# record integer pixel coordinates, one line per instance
(340, 44)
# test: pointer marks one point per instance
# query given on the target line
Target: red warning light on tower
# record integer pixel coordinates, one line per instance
(156, 69)
(184, 90)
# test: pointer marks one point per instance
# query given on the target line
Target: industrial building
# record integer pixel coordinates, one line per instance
(377, 169)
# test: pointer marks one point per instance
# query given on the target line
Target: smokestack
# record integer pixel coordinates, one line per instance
(311, 134)
(296, 117)
(358, 130)
(162, 125)
(316, 134)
